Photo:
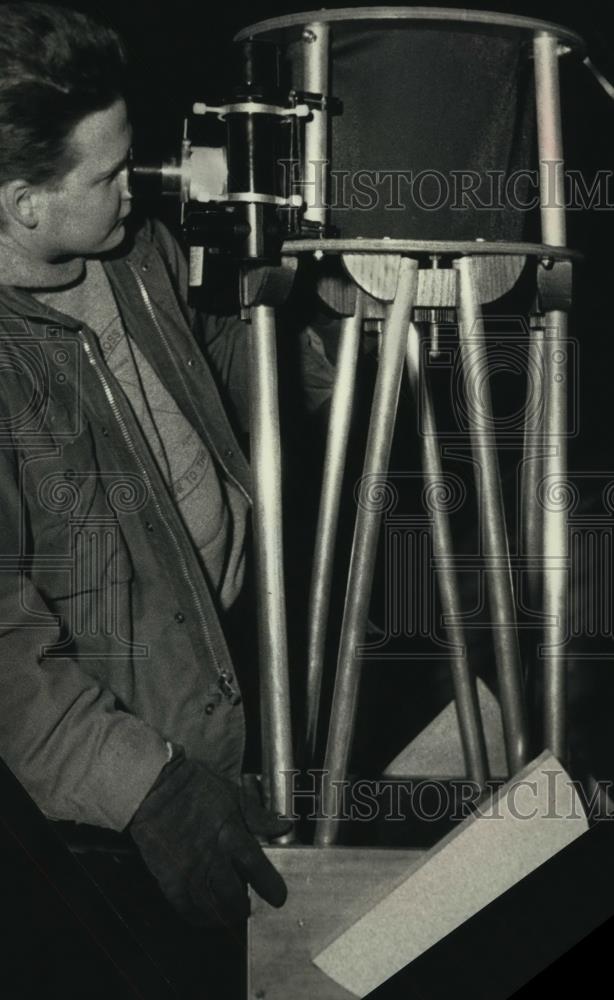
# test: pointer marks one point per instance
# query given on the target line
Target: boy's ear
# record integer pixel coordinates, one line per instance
(19, 202)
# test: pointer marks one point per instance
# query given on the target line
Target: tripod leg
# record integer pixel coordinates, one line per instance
(532, 468)
(465, 691)
(364, 549)
(555, 544)
(334, 466)
(492, 527)
(268, 546)
(550, 147)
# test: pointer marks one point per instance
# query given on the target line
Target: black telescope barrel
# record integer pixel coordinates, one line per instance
(255, 68)
(437, 125)
(145, 178)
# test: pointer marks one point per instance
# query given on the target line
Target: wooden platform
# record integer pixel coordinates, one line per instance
(356, 916)
(328, 888)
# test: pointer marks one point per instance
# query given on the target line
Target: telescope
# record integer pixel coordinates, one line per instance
(415, 157)
(240, 199)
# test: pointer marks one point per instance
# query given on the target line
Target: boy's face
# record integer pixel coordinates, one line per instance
(85, 214)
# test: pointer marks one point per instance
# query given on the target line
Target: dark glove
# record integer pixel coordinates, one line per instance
(195, 831)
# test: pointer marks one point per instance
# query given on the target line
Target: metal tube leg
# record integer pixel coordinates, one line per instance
(334, 466)
(549, 139)
(266, 466)
(493, 529)
(550, 145)
(316, 57)
(555, 536)
(364, 550)
(532, 468)
(465, 690)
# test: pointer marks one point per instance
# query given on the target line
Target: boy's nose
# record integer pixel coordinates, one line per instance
(124, 184)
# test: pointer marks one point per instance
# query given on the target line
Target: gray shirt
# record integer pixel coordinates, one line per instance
(212, 508)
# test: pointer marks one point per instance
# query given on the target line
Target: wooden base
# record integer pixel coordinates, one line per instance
(328, 888)
(527, 822)
(356, 916)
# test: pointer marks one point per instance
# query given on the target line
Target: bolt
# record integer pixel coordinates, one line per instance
(309, 36)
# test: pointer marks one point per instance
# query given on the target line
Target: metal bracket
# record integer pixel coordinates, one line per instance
(321, 102)
(554, 284)
(250, 108)
(267, 285)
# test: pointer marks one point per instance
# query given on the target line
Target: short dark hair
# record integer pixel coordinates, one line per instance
(56, 67)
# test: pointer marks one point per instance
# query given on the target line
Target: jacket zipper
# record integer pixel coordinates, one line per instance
(151, 312)
(224, 677)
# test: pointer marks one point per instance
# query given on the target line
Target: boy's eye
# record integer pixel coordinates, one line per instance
(111, 177)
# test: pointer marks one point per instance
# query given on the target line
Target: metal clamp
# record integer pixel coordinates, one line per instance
(250, 108)
(252, 198)
(321, 102)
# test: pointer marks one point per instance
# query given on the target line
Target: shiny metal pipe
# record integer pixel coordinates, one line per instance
(492, 523)
(533, 467)
(316, 61)
(556, 502)
(364, 549)
(550, 147)
(549, 138)
(268, 546)
(328, 517)
(465, 689)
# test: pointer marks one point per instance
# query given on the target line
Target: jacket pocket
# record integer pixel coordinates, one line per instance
(71, 515)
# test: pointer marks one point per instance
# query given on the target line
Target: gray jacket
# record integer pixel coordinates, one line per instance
(110, 643)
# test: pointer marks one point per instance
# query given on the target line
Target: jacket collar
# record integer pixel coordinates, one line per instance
(137, 249)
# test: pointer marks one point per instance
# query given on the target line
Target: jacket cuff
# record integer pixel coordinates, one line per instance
(129, 764)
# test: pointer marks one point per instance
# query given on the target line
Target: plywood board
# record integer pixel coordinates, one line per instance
(529, 820)
(437, 751)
